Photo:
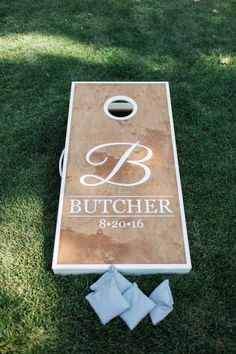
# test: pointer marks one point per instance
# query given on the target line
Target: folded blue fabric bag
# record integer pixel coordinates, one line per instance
(107, 301)
(140, 306)
(164, 302)
(122, 283)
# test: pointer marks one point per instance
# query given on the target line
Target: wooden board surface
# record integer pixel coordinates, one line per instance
(121, 199)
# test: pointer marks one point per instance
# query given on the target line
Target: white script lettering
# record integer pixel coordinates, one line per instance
(118, 166)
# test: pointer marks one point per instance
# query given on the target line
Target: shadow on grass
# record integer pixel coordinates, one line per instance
(182, 30)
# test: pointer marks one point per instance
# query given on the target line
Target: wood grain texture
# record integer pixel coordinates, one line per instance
(82, 241)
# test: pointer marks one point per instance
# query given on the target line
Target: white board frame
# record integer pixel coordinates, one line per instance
(65, 269)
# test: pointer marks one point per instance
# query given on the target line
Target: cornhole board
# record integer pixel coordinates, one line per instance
(120, 201)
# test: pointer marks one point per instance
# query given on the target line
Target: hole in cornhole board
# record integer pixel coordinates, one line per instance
(120, 108)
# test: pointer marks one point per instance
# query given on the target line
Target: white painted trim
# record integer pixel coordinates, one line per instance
(126, 268)
(120, 82)
(61, 198)
(181, 203)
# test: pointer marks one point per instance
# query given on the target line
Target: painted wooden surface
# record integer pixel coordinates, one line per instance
(95, 235)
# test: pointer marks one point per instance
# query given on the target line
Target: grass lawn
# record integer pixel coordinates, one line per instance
(44, 46)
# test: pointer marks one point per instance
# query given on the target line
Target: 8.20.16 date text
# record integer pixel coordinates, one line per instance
(121, 224)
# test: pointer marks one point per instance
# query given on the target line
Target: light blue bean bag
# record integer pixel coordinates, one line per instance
(164, 302)
(140, 306)
(122, 283)
(107, 301)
